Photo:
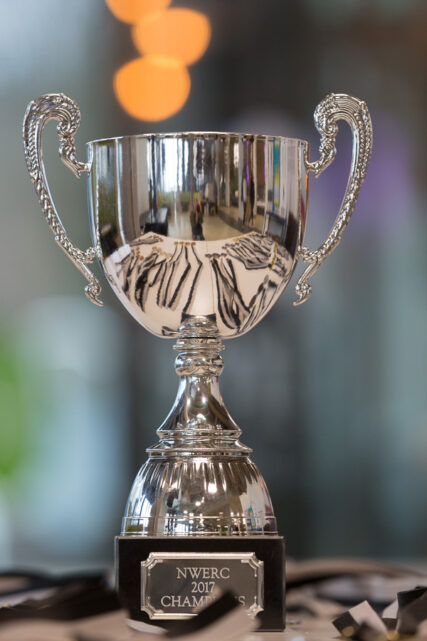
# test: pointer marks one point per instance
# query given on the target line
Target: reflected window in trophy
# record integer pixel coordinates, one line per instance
(196, 218)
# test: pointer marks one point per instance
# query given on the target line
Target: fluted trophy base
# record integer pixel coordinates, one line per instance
(199, 518)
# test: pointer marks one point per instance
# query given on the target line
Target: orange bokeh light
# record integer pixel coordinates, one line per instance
(132, 11)
(182, 34)
(152, 88)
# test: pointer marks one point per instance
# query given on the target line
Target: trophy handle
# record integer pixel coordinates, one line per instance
(59, 107)
(354, 111)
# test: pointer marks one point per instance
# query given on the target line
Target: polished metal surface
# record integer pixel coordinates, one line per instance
(175, 584)
(59, 107)
(199, 479)
(198, 224)
(333, 108)
(195, 495)
(198, 234)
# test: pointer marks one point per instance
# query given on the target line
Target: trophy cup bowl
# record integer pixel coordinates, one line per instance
(198, 234)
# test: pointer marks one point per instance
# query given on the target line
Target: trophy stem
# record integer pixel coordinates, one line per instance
(199, 479)
(199, 506)
(199, 421)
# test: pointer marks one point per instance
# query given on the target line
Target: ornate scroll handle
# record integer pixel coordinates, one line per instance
(59, 107)
(354, 111)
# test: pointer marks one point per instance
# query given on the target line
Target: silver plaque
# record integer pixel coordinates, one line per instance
(179, 584)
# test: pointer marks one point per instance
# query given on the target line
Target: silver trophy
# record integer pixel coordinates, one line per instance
(198, 234)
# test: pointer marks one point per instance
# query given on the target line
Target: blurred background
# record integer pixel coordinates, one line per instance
(331, 395)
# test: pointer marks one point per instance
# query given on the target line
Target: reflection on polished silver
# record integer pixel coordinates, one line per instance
(355, 112)
(160, 569)
(198, 235)
(199, 479)
(59, 107)
(198, 225)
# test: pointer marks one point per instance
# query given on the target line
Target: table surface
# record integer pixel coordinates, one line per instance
(113, 628)
(299, 628)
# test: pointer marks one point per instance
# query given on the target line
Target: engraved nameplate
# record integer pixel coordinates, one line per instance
(177, 584)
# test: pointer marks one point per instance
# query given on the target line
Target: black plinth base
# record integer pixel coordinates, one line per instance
(264, 571)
